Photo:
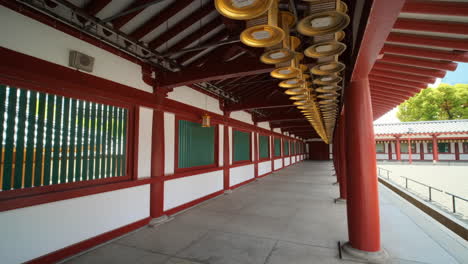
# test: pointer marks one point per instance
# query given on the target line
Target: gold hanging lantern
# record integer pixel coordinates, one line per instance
(292, 71)
(328, 89)
(323, 23)
(340, 35)
(296, 91)
(325, 49)
(327, 68)
(282, 53)
(327, 79)
(206, 120)
(291, 83)
(242, 9)
(261, 36)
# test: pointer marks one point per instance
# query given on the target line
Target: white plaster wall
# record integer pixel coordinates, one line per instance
(265, 125)
(241, 174)
(278, 164)
(28, 36)
(242, 116)
(31, 232)
(277, 130)
(446, 156)
(428, 156)
(189, 96)
(293, 159)
(287, 161)
(264, 167)
(169, 144)
(382, 156)
(183, 190)
(145, 135)
(230, 145)
(221, 145)
(463, 156)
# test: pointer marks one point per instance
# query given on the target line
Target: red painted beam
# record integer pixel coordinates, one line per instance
(255, 105)
(379, 24)
(159, 18)
(425, 63)
(195, 35)
(280, 118)
(375, 88)
(392, 81)
(214, 71)
(431, 26)
(452, 43)
(401, 76)
(382, 98)
(289, 124)
(409, 69)
(395, 87)
(182, 25)
(459, 56)
(121, 21)
(378, 94)
(436, 8)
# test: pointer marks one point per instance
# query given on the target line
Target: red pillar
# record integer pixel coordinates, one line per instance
(255, 153)
(435, 149)
(361, 169)
(272, 152)
(398, 149)
(410, 151)
(342, 156)
(226, 153)
(457, 151)
(421, 150)
(390, 150)
(157, 165)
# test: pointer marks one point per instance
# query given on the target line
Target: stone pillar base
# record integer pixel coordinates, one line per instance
(378, 257)
(340, 201)
(160, 220)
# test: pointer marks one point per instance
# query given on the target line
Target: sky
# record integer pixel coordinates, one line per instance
(460, 75)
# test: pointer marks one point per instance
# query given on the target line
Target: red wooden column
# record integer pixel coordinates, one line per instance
(398, 149)
(226, 152)
(255, 153)
(342, 156)
(421, 150)
(361, 169)
(272, 152)
(157, 165)
(410, 151)
(435, 149)
(457, 151)
(390, 150)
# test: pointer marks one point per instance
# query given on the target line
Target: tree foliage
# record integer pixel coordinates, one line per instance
(445, 102)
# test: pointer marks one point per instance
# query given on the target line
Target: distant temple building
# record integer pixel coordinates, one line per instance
(450, 137)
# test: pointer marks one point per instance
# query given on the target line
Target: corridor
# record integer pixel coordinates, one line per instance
(287, 217)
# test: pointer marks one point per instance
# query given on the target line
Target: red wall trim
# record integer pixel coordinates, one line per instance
(190, 173)
(89, 243)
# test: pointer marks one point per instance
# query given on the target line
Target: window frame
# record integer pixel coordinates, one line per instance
(131, 167)
(407, 152)
(464, 147)
(176, 146)
(268, 144)
(280, 145)
(289, 148)
(234, 146)
(380, 152)
(438, 152)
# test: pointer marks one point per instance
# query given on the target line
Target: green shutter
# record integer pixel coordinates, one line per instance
(196, 145)
(9, 140)
(263, 147)
(38, 170)
(277, 145)
(286, 147)
(31, 118)
(241, 146)
(20, 133)
(64, 145)
(74, 127)
(85, 124)
(50, 109)
(92, 142)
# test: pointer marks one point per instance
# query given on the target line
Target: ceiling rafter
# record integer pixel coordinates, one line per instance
(213, 39)
(121, 21)
(159, 18)
(93, 7)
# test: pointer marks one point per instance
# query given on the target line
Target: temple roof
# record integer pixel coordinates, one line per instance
(443, 126)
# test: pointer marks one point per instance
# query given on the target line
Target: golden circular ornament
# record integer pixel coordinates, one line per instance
(242, 10)
(323, 23)
(327, 68)
(325, 49)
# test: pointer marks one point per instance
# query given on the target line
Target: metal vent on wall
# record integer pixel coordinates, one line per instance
(81, 61)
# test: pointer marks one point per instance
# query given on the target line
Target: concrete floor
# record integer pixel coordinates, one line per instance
(285, 218)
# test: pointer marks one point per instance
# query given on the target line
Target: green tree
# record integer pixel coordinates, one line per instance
(445, 102)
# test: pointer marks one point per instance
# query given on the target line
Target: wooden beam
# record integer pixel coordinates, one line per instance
(121, 21)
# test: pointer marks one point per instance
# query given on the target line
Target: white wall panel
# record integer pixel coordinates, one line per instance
(183, 190)
(145, 135)
(242, 116)
(18, 31)
(278, 163)
(265, 125)
(189, 96)
(446, 156)
(264, 167)
(241, 174)
(287, 161)
(169, 143)
(31, 232)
